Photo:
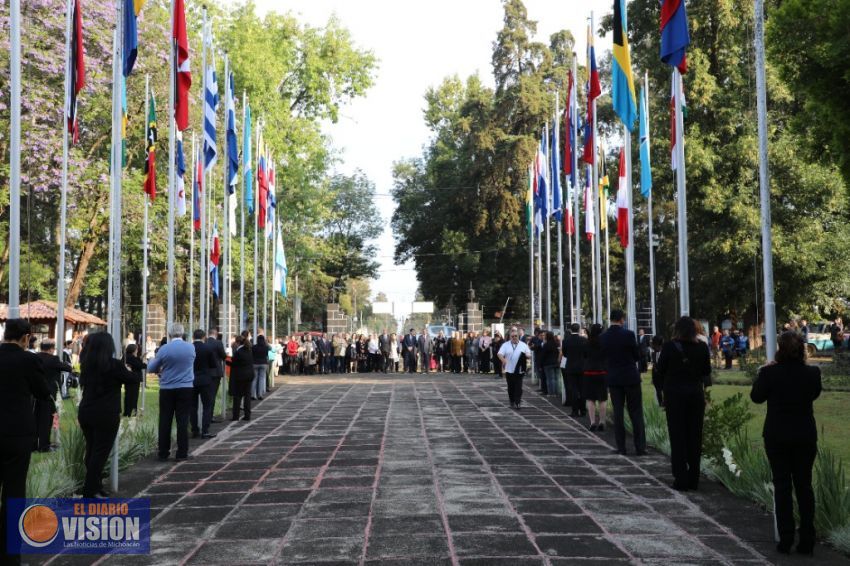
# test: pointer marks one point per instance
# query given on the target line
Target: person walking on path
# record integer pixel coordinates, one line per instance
(594, 389)
(620, 348)
(684, 368)
(46, 408)
(260, 351)
(550, 354)
(790, 387)
(241, 378)
(574, 349)
(174, 362)
(202, 395)
(24, 382)
(514, 356)
(99, 413)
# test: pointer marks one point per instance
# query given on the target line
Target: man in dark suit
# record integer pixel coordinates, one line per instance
(44, 409)
(217, 346)
(23, 382)
(385, 347)
(574, 349)
(409, 345)
(206, 364)
(621, 350)
(423, 344)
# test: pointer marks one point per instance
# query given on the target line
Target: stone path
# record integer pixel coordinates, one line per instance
(426, 470)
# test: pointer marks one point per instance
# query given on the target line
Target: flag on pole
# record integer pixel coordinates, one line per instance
(604, 189)
(529, 202)
(180, 162)
(123, 121)
(543, 180)
(76, 71)
(623, 202)
(210, 110)
(280, 269)
(674, 34)
(232, 149)
(623, 85)
(262, 184)
(589, 223)
(272, 203)
(150, 153)
(131, 35)
(557, 205)
(197, 195)
(594, 89)
(674, 158)
(569, 139)
(183, 74)
(215, 257)
(246, 162)
(645, 169)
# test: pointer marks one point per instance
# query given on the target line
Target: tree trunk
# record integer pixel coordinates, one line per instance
(89, 244)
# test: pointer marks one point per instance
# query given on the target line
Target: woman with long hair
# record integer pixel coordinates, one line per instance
(593, 384)
(684, 371)
(550, 352)
(790, 386)
(131, 390)
(99, 414)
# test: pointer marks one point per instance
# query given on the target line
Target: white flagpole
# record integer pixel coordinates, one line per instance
(256, 231)
(649, 210)
(559, 224)
(225, 302)
(204, 278)
(206, 263)
(143, 341)
(15, 159)
(595, 188)
(603, 201)
(630, 250)
(547, 225)
(265, 279)
(192, 237)
(63, 200)
(531, 255)
(242, 319)
(540, 276)
(681, 198)
(577, 317)
(171, 180)
(764, 188)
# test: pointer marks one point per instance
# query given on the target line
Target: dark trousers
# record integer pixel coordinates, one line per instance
(410, 360)
(131, 398)
(202, 395)
(575, 398)
(685, 413)
(497, 365)
(456, 364)
(245, 402)
(541, 377)
(14, 465)
(99, 431)
(216, 384)
(728, 357)
(628, 397)
(44, 409)
(484, 361)
(340, 364)
(791, 466)
(514, 381)
(174, 404)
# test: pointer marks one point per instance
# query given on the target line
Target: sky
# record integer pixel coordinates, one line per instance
(417, 43)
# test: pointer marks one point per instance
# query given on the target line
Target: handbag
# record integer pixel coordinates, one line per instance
(433, 363)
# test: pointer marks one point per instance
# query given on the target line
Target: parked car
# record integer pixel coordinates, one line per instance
(434, 329)
(820, 339)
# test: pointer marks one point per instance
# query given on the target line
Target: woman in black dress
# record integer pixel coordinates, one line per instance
(496, 346)
(131, 390)
(241, 378)
(684, 370)
(593, 384)
(99, 414)
(790, 387)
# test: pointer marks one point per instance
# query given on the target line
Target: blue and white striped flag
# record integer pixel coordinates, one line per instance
(232, 143)
(210, 108)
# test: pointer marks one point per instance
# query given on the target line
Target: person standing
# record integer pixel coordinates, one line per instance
(174, 362)
(99, 413)
(202, 395)
(441, 352)
(260, 351)
(131, 390)
(727, 346)
(657, 380)
(536, 346)
(241, 378)
(836, 334)
(484, 352)
(46, 408)
(23, 382)
(684, 369)
(550, 355)
(715, 346)
(456, 351)
(594, 388)
(514, 356)
(424, 347)
(495, 346)
(790, 387)
(620, 348)
(644, 345)
(574, 349)
(409, 345)
(214, 343)
(384, 345)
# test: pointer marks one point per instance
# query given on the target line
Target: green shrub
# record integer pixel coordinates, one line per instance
(840, 539)
(744, 470)
(722, 422)
(752, 362)
(832, 496)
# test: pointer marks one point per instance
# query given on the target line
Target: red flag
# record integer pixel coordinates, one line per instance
(263, 195)
(183, 76)
(623, 203)
(77, 71)
(215, 252)
(569, 225)
(150, 178)
(568, 128)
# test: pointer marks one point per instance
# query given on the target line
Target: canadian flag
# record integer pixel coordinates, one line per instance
(623, 202)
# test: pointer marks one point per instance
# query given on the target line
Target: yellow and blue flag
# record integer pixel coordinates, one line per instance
(623, 86)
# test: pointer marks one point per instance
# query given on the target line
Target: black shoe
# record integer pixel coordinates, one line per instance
(593, 427)
(207, 435)
(600, 427)
(574, 413)
(805, 548)
(783, 548)
(234, 419)
(246, 418)
(618, 451)
(682, 487)
(182, 458)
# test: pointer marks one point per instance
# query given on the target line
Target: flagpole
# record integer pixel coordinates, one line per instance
(595, 187)
(202, 279)
(242, 319)
(681, 199)
(630, 249)
(531, 227)
(15, 159)
(559, 224)
(171, 180)
(266, 277)
(192, 235)
(539, 276)
(207, 263)
(603, 201)
(225, 310)
(577, 317)
(764, 188)
(256, 231)
(593, 266)
(547, 224)
(143, 338)
(63, 200)
(649, 210)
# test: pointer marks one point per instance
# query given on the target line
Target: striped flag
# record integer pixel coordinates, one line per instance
(623, 202)
(246, 162)
(280, 269)
(674, 159)
(674, 34)
(215, 257)
(232, 144)
(210, 109)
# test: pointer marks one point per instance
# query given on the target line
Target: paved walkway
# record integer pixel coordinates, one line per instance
(427, 470)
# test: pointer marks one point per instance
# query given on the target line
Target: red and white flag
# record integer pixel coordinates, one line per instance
(183, 78)
(623, 202)
(589, 218)
(76, 71)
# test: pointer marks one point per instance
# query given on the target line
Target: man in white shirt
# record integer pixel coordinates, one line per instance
(514, 356)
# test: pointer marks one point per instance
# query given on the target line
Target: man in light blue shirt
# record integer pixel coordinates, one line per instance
(174, 362)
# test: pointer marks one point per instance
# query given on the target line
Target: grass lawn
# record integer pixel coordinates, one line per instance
(832, 413)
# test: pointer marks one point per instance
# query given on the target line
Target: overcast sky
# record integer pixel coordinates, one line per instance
(418, 44)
